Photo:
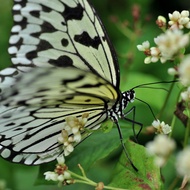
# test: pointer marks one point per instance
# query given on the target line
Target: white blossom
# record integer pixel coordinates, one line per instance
(51, 176)
(68, 149)
(153, 53)
(60, 174)
(147, 60)
(168, 46)
(161, 127)
(61, 160)
(172, 71)
(186, 95)
(183, 162)
(170, 43)
(184, 71)
(67, 175)
(72, 132)
(179, 20)
(161, 147)
(161, 18)
(145, 46)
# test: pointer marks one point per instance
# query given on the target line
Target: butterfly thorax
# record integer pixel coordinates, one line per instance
(117, 110)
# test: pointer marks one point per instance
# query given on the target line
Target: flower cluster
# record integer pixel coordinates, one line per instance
(71, 133)
(168, 46)
(161, 127)
(170, 43)
(161, 147)
(179, 20)
(60, 174)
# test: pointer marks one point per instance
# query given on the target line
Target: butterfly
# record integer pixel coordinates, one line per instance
(78, 74)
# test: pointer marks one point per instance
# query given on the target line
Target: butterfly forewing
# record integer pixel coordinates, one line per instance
(61, 33)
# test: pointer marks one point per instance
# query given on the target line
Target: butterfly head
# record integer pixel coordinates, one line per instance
(128, 96)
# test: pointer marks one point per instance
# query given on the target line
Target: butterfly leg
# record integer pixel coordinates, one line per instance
(124, 148)
(133, 122)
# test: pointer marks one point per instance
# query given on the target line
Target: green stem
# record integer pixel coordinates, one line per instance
(187, 132)
(84, 180)
(172, 125)
(113, 188)
(166, 100)
(174, 183)
(126, 31)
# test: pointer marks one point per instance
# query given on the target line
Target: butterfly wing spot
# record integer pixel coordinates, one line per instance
(73, 13)
(86, 40)
(64, 42)
(5, 153)
(88, 100)
(62, 61)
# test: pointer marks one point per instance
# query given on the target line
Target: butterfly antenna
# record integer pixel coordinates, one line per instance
(148, 107)
(124, 148)
(152, 83)
(157, 88)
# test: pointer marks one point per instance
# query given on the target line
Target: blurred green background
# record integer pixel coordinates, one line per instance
(133, 72)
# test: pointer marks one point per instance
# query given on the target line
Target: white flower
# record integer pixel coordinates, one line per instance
(67, 175)
(60, 173)
(186, 95)
(172, 71)
(179, 20)
(161, 147)
(61, 160)
(71, 133)
(77, 137)
(145, 46)
(161, 18)
(170, 43)
(75, 129)
(147, 60)
(68, 149)
(161, 127)
(51, 176)
(60, 178)
(184, 71)
(183, 163)
(161, 22)
(153, 53)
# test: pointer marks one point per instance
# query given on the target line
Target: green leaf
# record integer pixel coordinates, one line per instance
(148, 175)
(107, 126)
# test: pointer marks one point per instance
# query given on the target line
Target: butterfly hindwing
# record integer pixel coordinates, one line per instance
(37, 105)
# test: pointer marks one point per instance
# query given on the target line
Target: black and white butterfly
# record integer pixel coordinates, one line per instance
(79, 74)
